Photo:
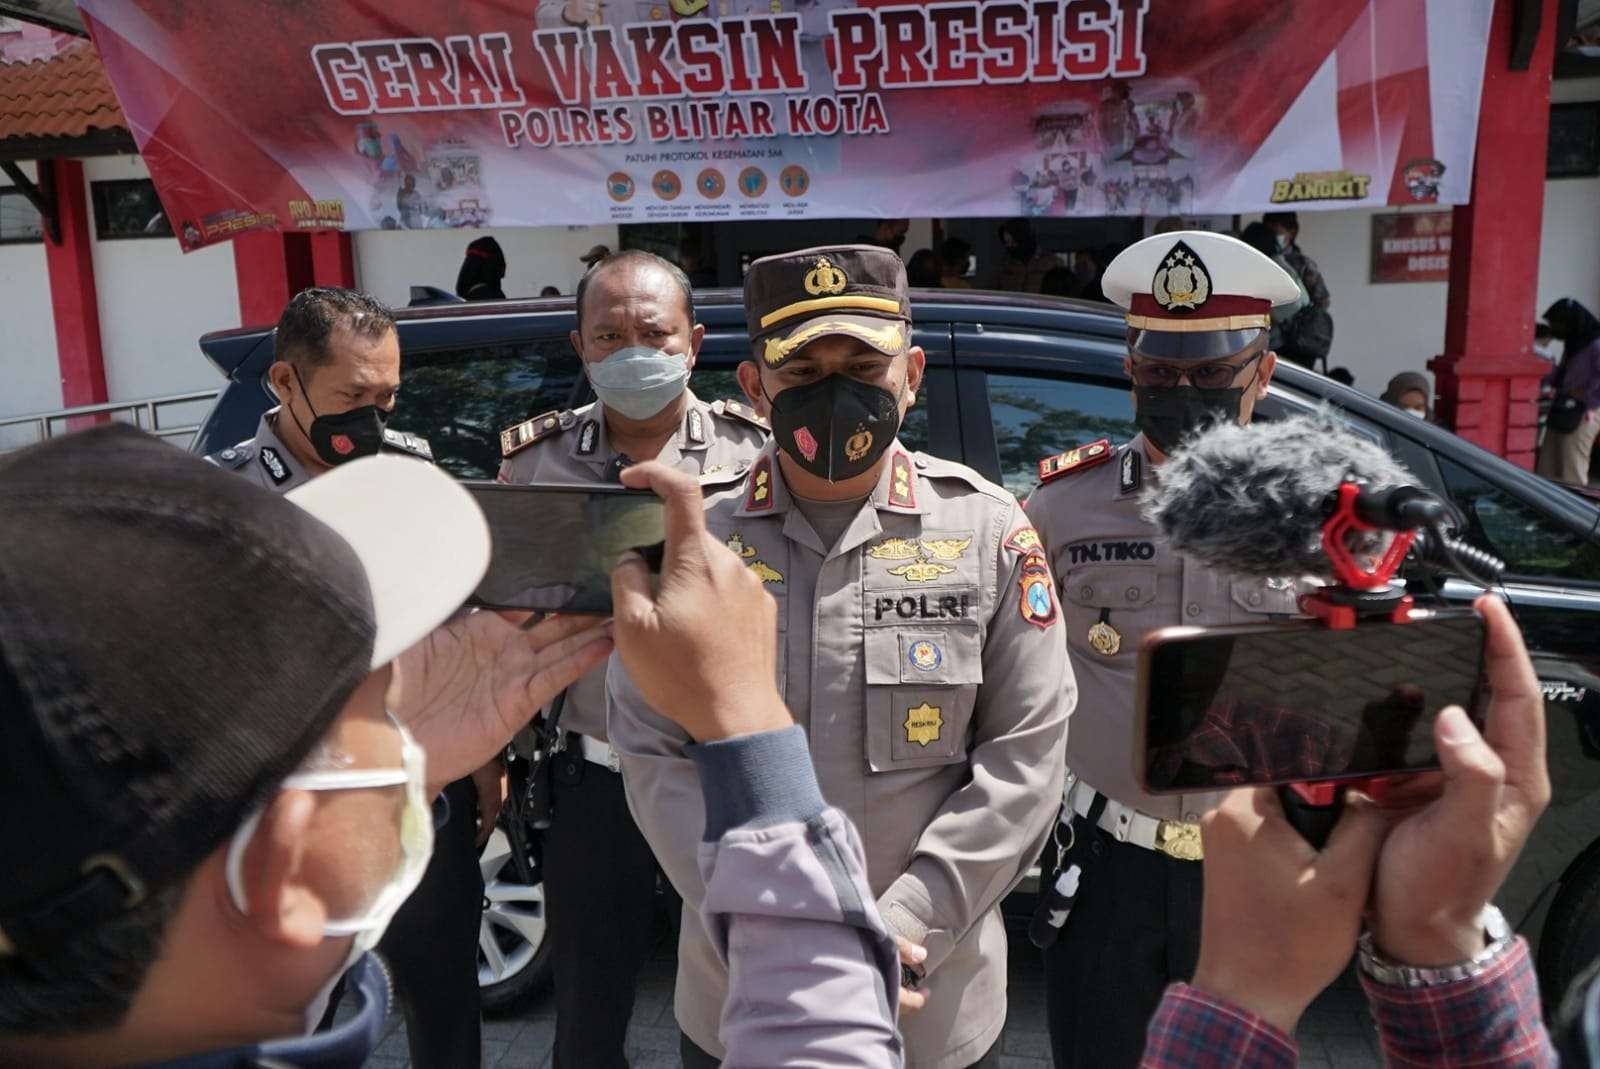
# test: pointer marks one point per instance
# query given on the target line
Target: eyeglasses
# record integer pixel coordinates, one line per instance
(1217, 376)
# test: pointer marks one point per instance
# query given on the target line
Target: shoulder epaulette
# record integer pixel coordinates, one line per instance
(741, 411)
(1080, 459)
(517, 438)
(413, 445)
(234, 457)
(933, 467)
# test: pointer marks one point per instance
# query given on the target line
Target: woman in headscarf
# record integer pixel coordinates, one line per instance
(481, 272)
(1575, 407)
(1411, 391)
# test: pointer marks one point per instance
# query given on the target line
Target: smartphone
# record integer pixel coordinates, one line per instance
(553, 547)
(1298, 702)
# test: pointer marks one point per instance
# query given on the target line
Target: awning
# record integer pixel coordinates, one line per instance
(57, 14)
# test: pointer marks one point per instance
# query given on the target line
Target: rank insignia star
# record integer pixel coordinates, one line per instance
(923, 724)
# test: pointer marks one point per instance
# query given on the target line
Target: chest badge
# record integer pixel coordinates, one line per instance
(925, 656)
(923, 724)
(765, 572)
(894, 549)
(921, 571)
(1104, 639)
(736, 543)
(945, 548)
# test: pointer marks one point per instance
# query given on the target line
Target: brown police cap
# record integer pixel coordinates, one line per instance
(794, 298)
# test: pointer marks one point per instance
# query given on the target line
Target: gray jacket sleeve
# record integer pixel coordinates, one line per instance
(813, 974)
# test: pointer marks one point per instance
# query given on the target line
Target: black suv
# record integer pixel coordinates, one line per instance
(1011, 379)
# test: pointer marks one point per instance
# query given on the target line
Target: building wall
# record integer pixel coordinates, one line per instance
(390, 262)
(30, 380)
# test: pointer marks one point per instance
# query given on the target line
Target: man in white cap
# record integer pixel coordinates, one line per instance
(1199, 312)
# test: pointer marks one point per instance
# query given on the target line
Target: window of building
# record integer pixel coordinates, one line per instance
(128, 208)
(20, 222)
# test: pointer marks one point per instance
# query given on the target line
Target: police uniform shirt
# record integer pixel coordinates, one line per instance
(572, 447)
(923, 655)
(264, 459)
(1119, 580)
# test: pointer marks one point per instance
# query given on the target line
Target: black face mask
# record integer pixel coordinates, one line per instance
(835, 428)
(345, 436)
(1169, 414)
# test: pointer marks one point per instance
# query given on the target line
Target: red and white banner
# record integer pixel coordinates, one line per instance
(463, 113)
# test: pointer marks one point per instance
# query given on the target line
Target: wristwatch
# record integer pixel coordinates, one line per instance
(1497, 933)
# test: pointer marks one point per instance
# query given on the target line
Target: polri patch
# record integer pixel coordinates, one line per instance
(1037, 600)
(925, 655)
(277, 470)
(1024, 540)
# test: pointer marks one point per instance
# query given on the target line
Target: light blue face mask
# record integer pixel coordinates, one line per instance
(637, 382)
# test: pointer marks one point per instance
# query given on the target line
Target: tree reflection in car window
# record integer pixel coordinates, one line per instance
(1036, 417)
(461, 399)
(1531, 543)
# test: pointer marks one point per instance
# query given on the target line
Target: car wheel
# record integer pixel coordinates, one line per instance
(513, 948)
(1571, 937)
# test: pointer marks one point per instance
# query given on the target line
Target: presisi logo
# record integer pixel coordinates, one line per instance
(1559, 690)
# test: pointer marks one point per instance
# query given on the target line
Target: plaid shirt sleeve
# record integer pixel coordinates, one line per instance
(1306, 268)
(1195, 1030)
(1491, 1021)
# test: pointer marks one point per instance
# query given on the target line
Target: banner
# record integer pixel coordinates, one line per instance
(413, 114)
(1411, 247)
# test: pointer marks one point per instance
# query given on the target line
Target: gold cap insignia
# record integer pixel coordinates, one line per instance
(1104, 639)
(825, 278)
(923, 723)
(1182, 283)
(858, 444)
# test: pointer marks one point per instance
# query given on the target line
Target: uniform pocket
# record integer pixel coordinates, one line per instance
(922, 684)
(1256, 596)
(1124, 586)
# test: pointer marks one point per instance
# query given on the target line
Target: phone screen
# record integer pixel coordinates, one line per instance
(1298, 702)
(554, 547)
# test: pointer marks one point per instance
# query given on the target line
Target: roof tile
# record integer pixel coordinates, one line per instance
(66, 95)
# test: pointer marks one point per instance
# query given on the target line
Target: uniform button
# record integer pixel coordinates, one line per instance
(1086, 591)
(1255, 597)
(1192, 817)
(228, 454)
(1193, 608)
(1133, 593)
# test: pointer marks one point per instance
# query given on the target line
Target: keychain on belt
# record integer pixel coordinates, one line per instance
(1056, 902)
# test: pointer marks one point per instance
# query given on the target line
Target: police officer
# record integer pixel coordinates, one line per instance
(918, 644)
(337, 374)
(638, 340)
(1198, 311)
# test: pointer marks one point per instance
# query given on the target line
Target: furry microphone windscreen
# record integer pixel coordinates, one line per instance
(1250, 501)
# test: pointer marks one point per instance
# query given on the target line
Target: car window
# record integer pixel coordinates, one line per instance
(722, 383)
(1531, 543)
(460, 399)
(1036, 416)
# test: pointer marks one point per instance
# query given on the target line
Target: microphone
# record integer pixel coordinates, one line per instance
(1251, 501)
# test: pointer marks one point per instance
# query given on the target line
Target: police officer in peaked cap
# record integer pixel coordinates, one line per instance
(1198, 312)
(919, 644)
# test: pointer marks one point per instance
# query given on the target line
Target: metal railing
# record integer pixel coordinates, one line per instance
(145, 414)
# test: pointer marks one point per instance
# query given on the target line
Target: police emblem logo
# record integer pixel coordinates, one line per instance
(1182, 283)
(825, 280)
(945, 548)
(1037, 602)
(1104, 639)
(894, 549)
(806, 443)
(923, 724)
(736, 543)
(925, 656)
(857, 445)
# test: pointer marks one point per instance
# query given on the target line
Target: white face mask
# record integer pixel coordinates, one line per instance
(1283, 242)
(416, 847)
(1420, 413)
(639, 381)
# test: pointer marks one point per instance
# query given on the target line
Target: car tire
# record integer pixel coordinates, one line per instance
(513, 943)
(1571, 937)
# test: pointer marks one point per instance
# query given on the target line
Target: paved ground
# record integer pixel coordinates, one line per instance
(1336, 1032)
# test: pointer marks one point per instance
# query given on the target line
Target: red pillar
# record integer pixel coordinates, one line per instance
(271, 268)
(1488, 379)
(333, 259)
(73, 300)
